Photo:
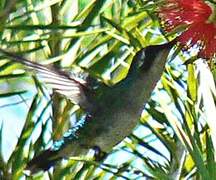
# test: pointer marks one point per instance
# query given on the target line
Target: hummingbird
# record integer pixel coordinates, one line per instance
(112, 112)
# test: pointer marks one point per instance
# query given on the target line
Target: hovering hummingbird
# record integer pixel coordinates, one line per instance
(111, 112)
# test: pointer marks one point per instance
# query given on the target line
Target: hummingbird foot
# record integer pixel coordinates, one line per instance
(99, 155)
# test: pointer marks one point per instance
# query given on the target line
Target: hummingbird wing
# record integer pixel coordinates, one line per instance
(70, 86)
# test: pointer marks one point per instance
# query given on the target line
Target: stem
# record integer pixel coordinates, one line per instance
(177, 163)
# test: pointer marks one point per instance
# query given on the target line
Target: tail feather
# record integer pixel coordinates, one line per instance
(43, 161)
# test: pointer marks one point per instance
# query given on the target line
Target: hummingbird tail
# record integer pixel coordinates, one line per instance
(43, 161)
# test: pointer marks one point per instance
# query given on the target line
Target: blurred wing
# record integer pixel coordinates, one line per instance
(59, 81)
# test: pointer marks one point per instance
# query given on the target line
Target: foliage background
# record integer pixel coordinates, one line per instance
(175, 135)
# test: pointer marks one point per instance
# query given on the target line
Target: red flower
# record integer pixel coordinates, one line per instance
(199, 18)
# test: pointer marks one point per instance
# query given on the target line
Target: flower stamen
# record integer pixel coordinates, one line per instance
(195, 19)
